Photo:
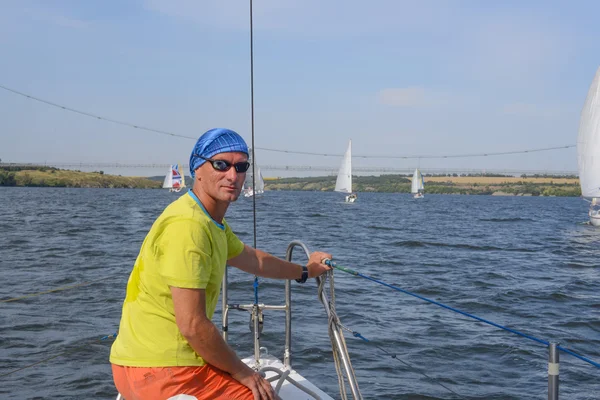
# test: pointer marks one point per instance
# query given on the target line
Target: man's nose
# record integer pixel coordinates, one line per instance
(232, 174)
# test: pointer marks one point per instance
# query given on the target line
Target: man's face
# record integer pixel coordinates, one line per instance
(222, 185)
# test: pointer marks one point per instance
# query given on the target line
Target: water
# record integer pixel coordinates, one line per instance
(527, 263)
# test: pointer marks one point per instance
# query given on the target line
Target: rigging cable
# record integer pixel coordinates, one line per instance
(252, 151)
(533, 338)
(332, 325)
(163, 132)
(395, 356)
(88, 114)
(501, 153)
(334, 320)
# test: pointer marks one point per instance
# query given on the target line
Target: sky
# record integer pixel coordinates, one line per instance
(398, 78)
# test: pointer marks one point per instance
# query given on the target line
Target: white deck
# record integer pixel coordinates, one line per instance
(288, 391)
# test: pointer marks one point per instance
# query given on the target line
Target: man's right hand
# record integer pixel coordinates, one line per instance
(315, 264)
(260, 387)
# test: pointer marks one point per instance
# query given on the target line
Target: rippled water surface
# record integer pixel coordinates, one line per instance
(529, 263)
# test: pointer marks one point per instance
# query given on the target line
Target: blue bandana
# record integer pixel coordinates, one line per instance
(213, 142)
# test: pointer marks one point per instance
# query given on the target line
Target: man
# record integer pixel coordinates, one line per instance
(167, 345)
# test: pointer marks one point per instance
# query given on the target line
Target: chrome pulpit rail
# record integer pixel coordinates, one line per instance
(343, 365)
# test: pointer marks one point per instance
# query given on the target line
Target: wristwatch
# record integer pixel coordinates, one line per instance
(304, 275)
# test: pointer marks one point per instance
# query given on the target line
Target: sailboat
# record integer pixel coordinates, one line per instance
(248, 189)
(588, 150)
(417, 187)
(343, 182)
(174, 180)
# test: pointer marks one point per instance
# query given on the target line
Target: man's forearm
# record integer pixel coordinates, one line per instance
(206, 340)
(275, 268)
(263, 264)
(258, 262)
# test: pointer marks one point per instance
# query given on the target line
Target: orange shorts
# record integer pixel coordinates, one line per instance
(162, 383)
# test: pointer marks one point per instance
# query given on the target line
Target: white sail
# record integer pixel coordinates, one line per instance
(249, 190)
(344, 179)
(168, 182)
(260, 182)
(417, 182)
(588, 142)
(174, 180)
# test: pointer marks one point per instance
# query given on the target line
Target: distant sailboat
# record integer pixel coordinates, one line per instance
(588, 150)
(417, 187)
(343, 183)
(174, 180)
(248, 189)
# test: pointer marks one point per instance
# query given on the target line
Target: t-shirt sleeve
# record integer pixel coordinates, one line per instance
(185, 256)
(234, 245)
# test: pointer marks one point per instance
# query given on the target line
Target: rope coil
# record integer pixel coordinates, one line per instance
(332, 325)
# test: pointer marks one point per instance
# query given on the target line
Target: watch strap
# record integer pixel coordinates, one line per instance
(304, 275)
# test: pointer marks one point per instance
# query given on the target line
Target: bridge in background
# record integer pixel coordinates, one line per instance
(328, 170)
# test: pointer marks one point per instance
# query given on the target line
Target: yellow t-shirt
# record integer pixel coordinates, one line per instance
(185, 248)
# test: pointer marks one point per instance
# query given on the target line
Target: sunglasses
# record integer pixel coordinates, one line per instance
(223, 166)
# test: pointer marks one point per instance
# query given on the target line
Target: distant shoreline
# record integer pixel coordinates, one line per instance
(54, 177)
(466, 185)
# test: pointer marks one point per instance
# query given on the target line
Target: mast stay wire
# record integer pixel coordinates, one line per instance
(255, 285)
(164, 132)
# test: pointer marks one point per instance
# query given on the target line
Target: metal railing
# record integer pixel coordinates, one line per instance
(256, 311)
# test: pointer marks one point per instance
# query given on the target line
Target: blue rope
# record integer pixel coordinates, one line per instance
(541, 341)
(255, 290)
(358, 335)
(112, 336)
(571, 352)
